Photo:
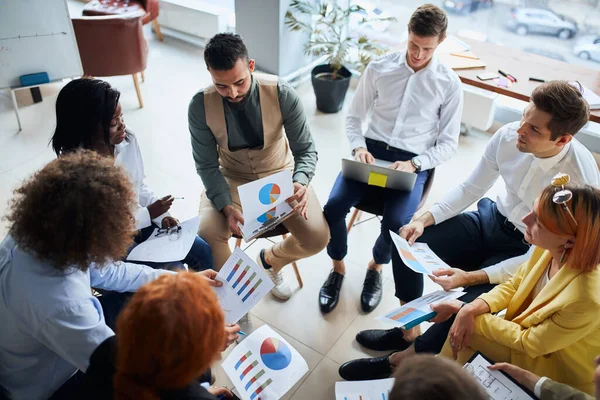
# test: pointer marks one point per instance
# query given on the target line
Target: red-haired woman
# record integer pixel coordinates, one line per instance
(168, 334)
(551, 326)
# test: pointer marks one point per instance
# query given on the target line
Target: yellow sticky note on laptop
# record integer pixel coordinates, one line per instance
(376, 179)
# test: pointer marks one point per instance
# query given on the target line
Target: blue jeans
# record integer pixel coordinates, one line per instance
(199, 257)
(399, 207)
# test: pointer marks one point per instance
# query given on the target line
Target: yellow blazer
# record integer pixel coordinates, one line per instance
(558, 333)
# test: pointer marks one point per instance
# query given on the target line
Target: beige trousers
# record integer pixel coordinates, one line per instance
(307, 237)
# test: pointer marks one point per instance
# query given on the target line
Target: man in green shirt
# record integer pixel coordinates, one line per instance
(245, 127)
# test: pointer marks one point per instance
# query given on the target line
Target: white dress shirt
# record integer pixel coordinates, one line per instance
(418, 112)
(129, 157)
(525, 177)
(51, 322)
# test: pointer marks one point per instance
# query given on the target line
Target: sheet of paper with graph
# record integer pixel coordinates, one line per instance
(244, 285)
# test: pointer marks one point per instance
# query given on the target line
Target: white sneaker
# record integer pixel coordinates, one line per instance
(281, 290)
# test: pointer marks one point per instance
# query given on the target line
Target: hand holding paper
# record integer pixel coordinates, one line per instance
(301, 198)
(264, 203)
(243, 285)
(450, 278)
(264, 365)
(418, 257)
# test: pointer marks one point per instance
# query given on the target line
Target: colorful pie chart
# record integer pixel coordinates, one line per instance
(267, 216)
(269, 193)
(275, 354)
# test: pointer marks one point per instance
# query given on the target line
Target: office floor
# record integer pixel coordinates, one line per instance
(175, 72)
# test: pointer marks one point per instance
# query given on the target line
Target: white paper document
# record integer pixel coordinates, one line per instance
(419, 310)
(264, 366)
(244, 285)
(497, 385)
(168, 247)
(588, 94)
(418, 257)
(378, 389)
(264, 203)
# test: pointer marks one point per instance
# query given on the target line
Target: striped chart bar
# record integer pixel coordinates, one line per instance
(234, 270)
(257, 284)
(248, 369)
(242, 359)
(261, 388)
(254, 378)
(246, 283)
(239, 279)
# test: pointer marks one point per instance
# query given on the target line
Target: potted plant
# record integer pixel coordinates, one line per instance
(327, 24)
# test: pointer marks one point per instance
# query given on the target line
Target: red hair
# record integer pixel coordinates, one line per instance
(168, 335)
(585, 209)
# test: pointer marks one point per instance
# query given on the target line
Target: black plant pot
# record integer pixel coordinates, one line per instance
(330, 92)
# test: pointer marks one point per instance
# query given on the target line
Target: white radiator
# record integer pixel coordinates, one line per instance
(479, 107)
(196, 18)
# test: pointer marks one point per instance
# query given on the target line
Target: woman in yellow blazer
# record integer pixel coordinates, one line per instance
(552, 321)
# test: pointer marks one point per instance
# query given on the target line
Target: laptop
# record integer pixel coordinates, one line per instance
(378, 174)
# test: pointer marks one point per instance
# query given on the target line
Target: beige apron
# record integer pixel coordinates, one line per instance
(251, 164)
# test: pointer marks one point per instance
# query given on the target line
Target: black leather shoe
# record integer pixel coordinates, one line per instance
(366, 369)
(383, 340)
(371, 293)
(330, 292)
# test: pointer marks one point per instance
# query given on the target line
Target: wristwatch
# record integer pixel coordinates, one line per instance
(416, 163)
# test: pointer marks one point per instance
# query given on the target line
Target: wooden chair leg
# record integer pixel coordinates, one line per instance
(137, 89)
(298, 277)
(295, 266)
(355, 216)
(157, 29)
(143, 76)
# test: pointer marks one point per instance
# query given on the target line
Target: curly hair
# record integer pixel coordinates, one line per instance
(75, 211)
(168, 335)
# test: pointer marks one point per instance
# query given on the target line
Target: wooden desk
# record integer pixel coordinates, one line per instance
(522, 66)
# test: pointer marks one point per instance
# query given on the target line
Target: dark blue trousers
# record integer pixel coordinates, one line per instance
(399, 207)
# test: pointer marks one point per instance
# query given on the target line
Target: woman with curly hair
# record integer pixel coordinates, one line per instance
(89, 116)
(168, 334)
(64, 237)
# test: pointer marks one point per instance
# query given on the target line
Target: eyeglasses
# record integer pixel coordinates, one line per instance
(173, 232)
(563, 196)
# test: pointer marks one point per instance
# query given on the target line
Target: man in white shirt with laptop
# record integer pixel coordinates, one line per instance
(487, 246)
(413, 104)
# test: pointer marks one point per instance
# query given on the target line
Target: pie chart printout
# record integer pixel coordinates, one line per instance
(269, 193)
(267, 216)
(275, 354)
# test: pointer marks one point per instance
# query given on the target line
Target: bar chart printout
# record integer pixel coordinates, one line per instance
(244, 285)
(419, 309)
(264, 366)
(418, 257)
(378, 389)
